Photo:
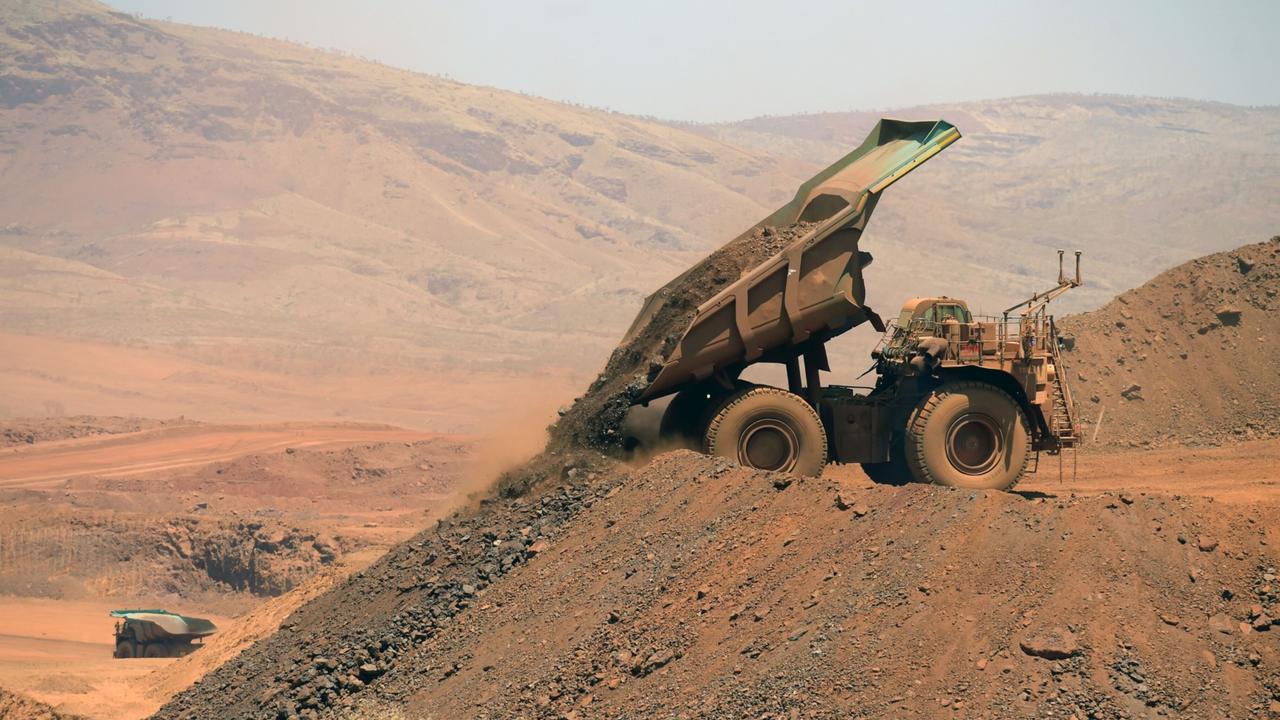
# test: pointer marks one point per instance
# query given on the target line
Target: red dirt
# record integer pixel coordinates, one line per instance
(28, 431)
(1189, 358)
(912, 597)
(179, 447)
(18, 707)
(1144, 585)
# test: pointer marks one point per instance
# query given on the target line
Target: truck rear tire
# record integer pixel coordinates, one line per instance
(768, 429)
(126, 649)
(155, 650)
(968, 435)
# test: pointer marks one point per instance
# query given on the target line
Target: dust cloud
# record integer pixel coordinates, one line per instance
(517, 432)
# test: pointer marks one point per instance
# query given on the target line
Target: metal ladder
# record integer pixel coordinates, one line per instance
(1062, 421)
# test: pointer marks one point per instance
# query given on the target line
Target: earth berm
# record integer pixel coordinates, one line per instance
(694, 588)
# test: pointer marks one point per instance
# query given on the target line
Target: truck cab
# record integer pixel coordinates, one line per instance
(934, 310)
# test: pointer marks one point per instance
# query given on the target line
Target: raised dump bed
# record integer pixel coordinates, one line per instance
(810, 291)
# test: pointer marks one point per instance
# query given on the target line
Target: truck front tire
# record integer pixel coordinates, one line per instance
(126, 649)
(968, 435)
(768, 429)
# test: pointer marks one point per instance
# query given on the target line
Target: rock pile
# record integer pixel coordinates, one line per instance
(694, 588)
(1188, 358)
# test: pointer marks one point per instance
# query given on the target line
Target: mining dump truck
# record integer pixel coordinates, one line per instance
(958, 400)
(158, 633)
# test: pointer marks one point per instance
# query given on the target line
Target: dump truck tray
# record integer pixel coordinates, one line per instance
(812, 289)
(159, 625)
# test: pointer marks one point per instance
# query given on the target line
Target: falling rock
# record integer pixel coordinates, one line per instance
(1055, 644)
(1207, 544)
(842, 502)
(538, 547)
(1133, 392)
(860, 509)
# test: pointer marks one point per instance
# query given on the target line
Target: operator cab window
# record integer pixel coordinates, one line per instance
(942, 313)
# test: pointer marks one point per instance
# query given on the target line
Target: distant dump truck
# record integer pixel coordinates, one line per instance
(958, 400)
(158, 633)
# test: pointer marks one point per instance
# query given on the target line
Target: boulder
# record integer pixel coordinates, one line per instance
(1053, 644)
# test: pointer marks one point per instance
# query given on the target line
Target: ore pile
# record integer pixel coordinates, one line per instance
(695, 588)
(1189, 358)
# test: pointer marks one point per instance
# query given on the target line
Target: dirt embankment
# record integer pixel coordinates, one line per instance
(19, 707)
(695, 588)
(205, 512)
(1189, 358)
(103, 554)
(28, 431)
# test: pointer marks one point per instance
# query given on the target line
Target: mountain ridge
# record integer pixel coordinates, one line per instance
(255, 204)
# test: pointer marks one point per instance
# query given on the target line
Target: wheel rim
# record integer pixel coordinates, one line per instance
(973, 444)
(768, 444)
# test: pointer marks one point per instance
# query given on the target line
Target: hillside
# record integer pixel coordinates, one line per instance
(255, 205)
(693, 588)
(203, 221)
(1188, 358)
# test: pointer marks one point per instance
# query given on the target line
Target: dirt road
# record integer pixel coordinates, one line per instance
(46, 464)
(1240, 473)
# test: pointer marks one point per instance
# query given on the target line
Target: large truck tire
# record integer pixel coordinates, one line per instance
(126, 649)
(968, 435)
(893, 472)
(769, 429)
(156, 650)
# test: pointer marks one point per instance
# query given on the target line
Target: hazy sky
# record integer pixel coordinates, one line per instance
(723, 60)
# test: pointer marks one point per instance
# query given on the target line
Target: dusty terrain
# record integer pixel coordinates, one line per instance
(1135, 584)
(1127, 585)
(238, 523)
(193, 510)
(1214, 324)
(28, 431)
(693, 588)
(60, 653)
(16, 705)
(289, 245)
